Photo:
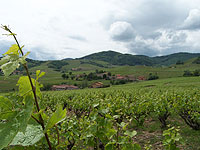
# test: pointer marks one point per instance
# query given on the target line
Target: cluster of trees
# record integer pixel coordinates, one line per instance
(91, 76)
(188, 73)
(197, 61)
(179, 62)
(153, 76)
(57, 65)
(118, 82)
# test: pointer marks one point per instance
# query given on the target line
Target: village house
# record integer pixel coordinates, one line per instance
(64, 87)
(119, 77)
(97, 85)
(102, 74)
(130, 77)
(142, 78)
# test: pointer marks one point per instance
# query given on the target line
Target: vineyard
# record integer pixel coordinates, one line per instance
(122, 118)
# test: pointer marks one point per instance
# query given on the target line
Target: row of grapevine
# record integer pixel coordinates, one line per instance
(101, 119)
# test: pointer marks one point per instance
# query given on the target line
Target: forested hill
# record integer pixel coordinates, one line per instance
(174, 58)
(116, 58)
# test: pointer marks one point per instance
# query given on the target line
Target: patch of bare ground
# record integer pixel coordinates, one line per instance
(151, 135)
(146, 138)
(149, 85)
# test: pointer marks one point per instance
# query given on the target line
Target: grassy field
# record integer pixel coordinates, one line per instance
(54, 77)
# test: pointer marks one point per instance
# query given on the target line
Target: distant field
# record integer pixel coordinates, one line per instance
(54, 77)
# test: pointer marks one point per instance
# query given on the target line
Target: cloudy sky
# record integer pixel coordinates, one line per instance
(57, 29)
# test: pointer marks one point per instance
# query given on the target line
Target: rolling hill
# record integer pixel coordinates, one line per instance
(116, 58)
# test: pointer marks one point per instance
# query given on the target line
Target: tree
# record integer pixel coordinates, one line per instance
(72, 77)
(104, 76)
(64, 76)
(196, 72)
(179, 62)
(187, 73)
(153, 77)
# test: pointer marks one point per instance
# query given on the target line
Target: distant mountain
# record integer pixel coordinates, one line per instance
(173, 58)
(67, 59)
(107, 58)
(116, 58)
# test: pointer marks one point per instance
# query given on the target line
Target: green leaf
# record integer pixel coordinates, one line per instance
(14, 49)
(39, 74)
(5, 104)
(22, 59)
(8, 131)
(4, 60)
(137, 147)
(11, 126)
(26, 112)
(6, 111)
(9, 67)
(32, 135)
(12, 61)
(110, 146)
(25, 86)
(130, 134)
(57, 117)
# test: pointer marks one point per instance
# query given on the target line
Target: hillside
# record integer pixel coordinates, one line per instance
(116, 58)
(173, 58)
(105, 59)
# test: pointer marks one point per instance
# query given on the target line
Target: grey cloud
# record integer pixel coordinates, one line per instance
(192, 22)
(157, 23)
(152, 35)
(38, 53)
(78, 37)
(4, 46)
(180, 38)
(143, 49)
(140, 48)
(151, 15)
(121, 31)
(168, 42)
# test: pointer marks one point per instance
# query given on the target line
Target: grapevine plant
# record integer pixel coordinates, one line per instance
(15, 126)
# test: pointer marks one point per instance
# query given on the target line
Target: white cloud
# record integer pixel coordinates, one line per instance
(192, 22)
(121, 31)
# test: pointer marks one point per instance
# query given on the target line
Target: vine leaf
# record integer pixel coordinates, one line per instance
(14, 49)
(32, 135)
(130, 134)
(39, 74)
(11, 62)
(58, 116)
(10, 126)
(6, 108)
(25, 86)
